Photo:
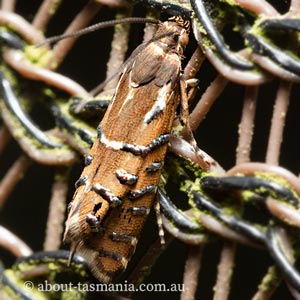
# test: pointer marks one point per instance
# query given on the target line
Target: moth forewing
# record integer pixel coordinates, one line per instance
(116, 189)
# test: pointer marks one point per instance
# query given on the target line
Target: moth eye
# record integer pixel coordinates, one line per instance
(183, 39)
(176, 37)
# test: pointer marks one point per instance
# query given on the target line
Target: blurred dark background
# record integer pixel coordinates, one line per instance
(25, 213)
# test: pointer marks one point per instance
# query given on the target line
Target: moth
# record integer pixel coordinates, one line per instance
(117, 187)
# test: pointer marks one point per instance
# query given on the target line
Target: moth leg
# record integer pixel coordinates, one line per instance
(192, 83)
(161, 232)
(185, 117)
(184, 112)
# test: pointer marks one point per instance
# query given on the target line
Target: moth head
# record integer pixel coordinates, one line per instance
(183, 28)
(173, 34)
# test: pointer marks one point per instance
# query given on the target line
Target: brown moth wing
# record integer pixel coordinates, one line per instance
(124, 114)
(138, 116)
(106, 267)
(150, 64)
(169, 71)
(164, 67)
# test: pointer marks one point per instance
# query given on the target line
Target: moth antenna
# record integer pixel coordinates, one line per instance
(96, 27)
